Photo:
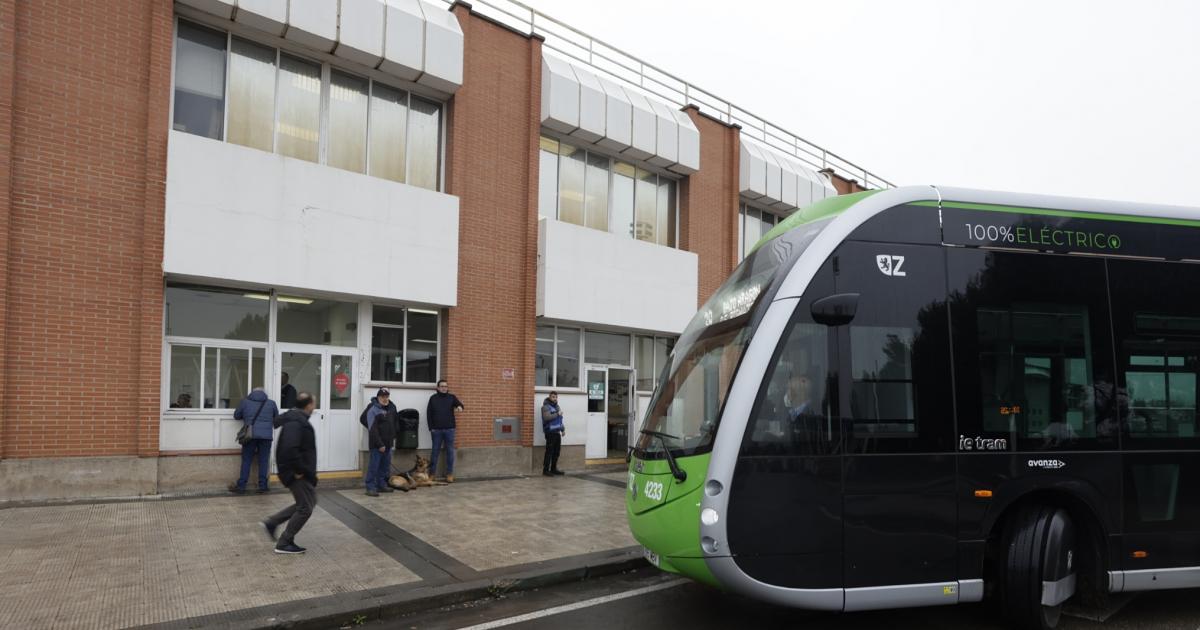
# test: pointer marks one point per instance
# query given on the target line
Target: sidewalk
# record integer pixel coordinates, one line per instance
(204, 562)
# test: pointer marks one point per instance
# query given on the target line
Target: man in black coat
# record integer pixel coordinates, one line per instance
(296, 461)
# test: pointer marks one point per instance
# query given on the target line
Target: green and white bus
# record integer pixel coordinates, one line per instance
(931, 395)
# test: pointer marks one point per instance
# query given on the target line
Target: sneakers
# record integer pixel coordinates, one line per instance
(290, 548)
(372, 493)
(269, 529)
(233, 487)
(450, 478)
(557, 472)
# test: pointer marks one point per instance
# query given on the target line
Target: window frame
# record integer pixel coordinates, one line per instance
(554, 360)
(327, 64)
(660, 176)
(655, 368)
(204, 344)
(404, 380)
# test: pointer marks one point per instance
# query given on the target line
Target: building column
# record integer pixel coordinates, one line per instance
(8, 38)
(708, 205)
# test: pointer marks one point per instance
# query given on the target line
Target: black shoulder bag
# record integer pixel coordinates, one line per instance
(246, 433)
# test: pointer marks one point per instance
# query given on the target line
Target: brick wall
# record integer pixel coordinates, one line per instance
(84, 212)
(493, 125)
(708, 204)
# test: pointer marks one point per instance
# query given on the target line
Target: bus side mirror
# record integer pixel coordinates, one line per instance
(835, 310)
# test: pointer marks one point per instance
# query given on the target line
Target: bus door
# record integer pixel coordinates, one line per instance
(894, 390)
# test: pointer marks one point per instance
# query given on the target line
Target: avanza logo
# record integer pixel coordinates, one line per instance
(1047, 464)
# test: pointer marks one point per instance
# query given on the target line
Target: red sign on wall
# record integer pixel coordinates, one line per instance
(341, 382)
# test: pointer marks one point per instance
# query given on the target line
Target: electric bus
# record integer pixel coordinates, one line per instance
(931, 395)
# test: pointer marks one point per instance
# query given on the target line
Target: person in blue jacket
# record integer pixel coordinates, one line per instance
(257, 412)
(552, 427)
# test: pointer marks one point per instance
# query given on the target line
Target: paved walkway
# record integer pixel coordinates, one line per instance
(187, 562)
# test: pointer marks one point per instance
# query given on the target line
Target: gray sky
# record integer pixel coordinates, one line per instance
(1091, 99)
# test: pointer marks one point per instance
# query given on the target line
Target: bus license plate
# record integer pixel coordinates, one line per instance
(650, 556)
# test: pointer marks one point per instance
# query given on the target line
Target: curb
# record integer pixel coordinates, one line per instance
(352, 609)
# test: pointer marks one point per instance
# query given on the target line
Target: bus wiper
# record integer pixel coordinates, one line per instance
(677, 472)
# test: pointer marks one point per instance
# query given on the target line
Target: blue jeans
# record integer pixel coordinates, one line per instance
(263, 449)
(440, 437)
(379, 469)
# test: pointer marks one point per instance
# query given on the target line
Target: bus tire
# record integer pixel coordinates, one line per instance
(1039, 566)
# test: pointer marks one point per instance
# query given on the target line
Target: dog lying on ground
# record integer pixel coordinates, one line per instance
(416, 477)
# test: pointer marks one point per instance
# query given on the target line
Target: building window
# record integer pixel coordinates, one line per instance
(317, 322)
(596, 191)
(275, 101)
(216, 345)
(556, 357)
(649, 358)
(753, 224)
(404, 345)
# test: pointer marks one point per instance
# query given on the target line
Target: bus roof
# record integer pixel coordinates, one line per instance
(966, 198)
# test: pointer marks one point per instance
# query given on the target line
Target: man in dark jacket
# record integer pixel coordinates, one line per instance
(296, 461)
(257, 412)
(440, 416)
(381, 433)
(554, 430)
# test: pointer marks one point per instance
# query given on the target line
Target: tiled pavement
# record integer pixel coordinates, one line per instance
(121, 564)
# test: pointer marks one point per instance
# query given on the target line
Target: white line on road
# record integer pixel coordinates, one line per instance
(587, 603)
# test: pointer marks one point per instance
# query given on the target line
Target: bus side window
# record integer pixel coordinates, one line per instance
(1031, 351)
(793, 412)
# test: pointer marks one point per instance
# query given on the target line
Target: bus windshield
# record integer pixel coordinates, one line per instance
(691, 393)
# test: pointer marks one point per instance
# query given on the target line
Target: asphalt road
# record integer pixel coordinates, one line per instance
(649, 599)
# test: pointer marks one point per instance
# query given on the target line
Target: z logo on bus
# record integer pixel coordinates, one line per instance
(653, 490)
(890, 265)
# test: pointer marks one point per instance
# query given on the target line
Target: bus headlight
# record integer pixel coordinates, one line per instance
(709, 516)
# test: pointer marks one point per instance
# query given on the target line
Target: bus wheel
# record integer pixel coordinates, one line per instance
(1039, 566)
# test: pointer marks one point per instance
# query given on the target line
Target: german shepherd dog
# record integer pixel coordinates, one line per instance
(415, 477)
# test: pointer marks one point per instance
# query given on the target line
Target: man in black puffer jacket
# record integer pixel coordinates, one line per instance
(296, 461)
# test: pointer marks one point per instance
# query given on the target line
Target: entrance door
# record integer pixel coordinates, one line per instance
(597, 421)
(620, 410)
(327, 374)
(894, 371)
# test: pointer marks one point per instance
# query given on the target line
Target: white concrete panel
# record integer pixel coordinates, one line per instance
(560, 95)
(752, 170)
(645, 127)
(360, 31)
(404, 39)
(827, 186)
(443, 50)
(591, 106)
(574, 410)
(688, 160)
(811, 186)
(299, 225)
(789, 197)
(618, 117)
(774, 177)
(220, 8)
(313, 23)
(666, 146)
(599, 278)
(181, 433)
(265, 15)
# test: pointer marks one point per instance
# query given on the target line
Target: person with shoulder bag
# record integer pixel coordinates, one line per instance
(257, 413)
(554, 429)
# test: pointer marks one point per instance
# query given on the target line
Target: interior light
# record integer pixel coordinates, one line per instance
(256, 296)
(294, 300)
(983, 494)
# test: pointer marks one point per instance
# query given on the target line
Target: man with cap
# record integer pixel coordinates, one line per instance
(381, 431)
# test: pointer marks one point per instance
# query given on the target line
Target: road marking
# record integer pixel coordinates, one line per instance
(587, 603)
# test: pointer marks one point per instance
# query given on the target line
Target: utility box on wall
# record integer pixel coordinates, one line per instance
(506, 428)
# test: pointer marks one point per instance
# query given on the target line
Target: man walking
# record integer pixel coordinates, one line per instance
(381, 433)
(440, 415)
(296, 460)
(257, 412)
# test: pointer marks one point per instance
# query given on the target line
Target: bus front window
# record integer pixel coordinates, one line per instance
(686, 407)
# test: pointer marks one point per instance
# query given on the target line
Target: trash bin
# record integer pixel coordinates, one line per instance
(406, 435)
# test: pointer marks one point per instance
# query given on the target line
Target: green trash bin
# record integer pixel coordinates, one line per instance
(406, 435)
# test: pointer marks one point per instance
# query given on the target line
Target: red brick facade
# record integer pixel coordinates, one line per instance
(707, 224)
(84, 96)
(492, 168)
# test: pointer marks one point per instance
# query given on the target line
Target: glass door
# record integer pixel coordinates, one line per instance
(327, 374)
(597, 420)
(620, 410)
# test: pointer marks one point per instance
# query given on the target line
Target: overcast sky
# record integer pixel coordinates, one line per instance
(1092, 99)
